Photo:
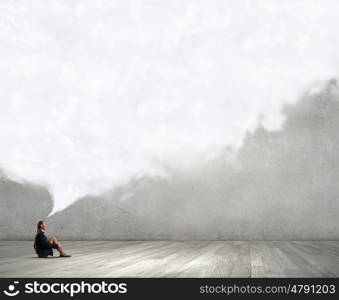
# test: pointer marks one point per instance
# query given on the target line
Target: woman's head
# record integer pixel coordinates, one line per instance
(42, 225)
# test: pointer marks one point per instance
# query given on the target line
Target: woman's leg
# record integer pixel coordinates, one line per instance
(54, 240)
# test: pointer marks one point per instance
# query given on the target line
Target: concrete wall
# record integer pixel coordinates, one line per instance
(281, 184)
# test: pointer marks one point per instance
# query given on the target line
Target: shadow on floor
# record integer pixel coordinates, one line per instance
(50, 257)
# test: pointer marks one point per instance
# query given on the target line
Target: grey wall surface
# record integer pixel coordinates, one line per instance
(281, 184)
(21, 205)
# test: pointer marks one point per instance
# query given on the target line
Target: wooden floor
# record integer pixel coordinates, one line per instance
(175, 259)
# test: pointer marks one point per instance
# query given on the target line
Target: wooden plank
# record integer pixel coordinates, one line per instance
(175, 259)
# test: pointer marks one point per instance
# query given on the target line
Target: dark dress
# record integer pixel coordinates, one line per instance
(42, 246)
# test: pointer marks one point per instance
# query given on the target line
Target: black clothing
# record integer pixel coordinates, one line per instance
(42, 246)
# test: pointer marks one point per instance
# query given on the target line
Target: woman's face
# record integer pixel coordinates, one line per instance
(43, 226)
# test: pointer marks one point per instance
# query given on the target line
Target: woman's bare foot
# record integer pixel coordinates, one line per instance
(65, 255)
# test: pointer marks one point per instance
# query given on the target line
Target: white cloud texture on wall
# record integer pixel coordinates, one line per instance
(94, 92)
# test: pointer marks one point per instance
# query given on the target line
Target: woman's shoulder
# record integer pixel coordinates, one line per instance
(40, 233)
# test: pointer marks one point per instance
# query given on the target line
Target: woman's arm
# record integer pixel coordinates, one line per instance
(42, 242)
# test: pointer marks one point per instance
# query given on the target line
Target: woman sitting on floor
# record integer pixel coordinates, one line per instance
(43, 246)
